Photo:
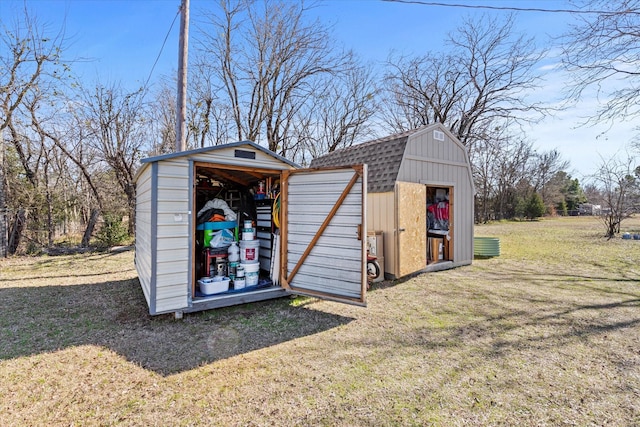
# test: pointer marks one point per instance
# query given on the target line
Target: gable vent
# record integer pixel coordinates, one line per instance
(242, 154)
(438, 135)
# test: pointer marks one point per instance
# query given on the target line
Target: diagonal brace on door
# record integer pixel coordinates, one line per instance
(325, 224)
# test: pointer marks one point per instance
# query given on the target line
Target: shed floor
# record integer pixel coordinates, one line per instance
(438, 266)
(234, 298)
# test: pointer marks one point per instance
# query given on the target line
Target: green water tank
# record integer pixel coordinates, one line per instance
(486, 247)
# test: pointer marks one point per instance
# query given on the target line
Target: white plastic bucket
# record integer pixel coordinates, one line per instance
(249, 251)
(239, 283)
(251, 274)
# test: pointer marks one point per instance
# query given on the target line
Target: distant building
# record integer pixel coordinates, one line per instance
(589, 209)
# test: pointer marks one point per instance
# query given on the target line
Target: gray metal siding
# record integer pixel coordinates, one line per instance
(330, 265)
(172, 235)
(444, 163)
(143, 261)
(448, 160)
(154, 233)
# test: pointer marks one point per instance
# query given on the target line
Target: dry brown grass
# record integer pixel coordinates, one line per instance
(546, 334)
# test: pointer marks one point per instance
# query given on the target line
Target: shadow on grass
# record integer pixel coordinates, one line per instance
(547, 312)
(390, 283)
(41, 319)
(513, 309)
(518, 332)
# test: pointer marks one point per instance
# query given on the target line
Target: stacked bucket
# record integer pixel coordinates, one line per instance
(249, 256)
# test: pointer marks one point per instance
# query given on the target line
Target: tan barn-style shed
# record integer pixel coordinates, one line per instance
(420, 196)
(312, 245)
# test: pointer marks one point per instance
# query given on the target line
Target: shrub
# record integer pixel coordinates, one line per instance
(113, 231)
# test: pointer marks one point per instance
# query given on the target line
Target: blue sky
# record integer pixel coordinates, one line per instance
(119, 41)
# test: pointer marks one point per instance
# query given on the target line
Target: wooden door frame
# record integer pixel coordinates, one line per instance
(257, 172)
(359, 173)
(450, 186)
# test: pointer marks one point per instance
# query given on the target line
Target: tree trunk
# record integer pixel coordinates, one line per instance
(49, 198)
(132, 212)
(3, 229)
(51, 231)
(3, 209)
(16, 232)
(95, 213)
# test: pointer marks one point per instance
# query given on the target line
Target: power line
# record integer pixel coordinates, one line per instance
(516, 9)
(144, 88)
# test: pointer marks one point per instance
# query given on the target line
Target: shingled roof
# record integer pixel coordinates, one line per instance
(382, 156)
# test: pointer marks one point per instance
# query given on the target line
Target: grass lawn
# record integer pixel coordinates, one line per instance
(547, 334)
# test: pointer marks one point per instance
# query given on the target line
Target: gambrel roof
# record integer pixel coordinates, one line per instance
(383, 157)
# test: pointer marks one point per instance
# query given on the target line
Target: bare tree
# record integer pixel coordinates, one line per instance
(339, 116)
(485, 158)
(30, 56)
(30, 65)
(68, 135)
(115, 120)
(511, 176)
(502, 168)
(601, 52)
(544, 168)
(268, 59)
(483, 78)
(423, 90)
(617, 180)
(162, 121)
(46, 135)
(31, 62)
(210, 117)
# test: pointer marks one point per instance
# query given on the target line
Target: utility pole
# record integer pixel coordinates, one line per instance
(183, 53)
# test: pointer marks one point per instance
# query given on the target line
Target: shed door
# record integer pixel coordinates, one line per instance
(411, 227)
(323, 223)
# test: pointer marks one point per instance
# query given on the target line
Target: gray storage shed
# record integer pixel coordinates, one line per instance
(321, 218)
(420, 196)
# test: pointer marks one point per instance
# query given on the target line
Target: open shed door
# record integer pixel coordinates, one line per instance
(411, 227)
(323, 250)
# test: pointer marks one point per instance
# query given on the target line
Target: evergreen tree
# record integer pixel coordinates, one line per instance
(535, 207)
(562, 209)
(573, 194)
